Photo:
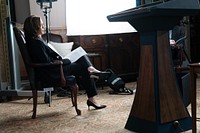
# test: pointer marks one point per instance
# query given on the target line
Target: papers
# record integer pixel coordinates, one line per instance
(64, 50)
(180, 39)
(76, 54)
(61, 48)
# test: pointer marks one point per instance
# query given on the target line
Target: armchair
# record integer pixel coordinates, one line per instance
(53, 37)
(36, 84)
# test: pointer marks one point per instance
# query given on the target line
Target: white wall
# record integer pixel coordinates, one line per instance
(57, 13)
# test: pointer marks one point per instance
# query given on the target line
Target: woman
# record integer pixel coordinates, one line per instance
(41, 53)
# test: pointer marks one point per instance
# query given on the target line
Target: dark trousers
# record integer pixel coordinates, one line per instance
(80, 70)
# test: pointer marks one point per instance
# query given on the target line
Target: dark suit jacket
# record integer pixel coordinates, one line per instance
(41, 53)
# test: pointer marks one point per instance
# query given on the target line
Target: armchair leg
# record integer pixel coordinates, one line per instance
(34, 92)
(74, 91)
(50, 99)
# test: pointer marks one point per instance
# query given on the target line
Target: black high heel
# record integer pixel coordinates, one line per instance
(89, 103)
(100, 75)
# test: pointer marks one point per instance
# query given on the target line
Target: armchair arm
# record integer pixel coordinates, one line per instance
(51, 64)
(56, 64)
(181, 69)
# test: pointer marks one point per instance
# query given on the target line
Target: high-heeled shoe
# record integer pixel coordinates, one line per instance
(100, 75)
(89, 103)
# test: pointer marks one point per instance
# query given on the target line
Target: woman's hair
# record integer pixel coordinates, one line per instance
(32, 25)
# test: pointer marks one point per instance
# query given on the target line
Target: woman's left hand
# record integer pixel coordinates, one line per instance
(57, 62)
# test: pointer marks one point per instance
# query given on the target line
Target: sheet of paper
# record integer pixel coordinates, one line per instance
(61, 48)
(75, 54)
(65, 53)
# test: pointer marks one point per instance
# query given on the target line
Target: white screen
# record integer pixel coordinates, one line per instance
(89, 17)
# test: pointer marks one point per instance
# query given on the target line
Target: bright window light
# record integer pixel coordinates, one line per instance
(89, 17)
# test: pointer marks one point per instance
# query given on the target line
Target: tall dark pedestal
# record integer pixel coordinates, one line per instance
(157, 106)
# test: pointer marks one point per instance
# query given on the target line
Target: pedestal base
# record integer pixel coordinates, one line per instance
(142, 126)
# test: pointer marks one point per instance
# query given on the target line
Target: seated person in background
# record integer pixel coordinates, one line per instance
(41, 53)
(177, 42)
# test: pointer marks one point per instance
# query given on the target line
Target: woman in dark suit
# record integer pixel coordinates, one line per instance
(41, 53)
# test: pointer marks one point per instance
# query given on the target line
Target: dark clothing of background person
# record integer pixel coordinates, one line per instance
(41, 53)
(178, 32)
(177, 51)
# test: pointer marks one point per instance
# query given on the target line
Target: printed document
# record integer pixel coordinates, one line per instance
(64, 50)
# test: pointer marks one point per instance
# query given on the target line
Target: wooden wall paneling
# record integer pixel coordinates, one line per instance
(120, 52)
(73, 38)
(124, 53)
(96, 44)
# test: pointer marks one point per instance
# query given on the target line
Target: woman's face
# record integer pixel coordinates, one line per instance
(41, 30)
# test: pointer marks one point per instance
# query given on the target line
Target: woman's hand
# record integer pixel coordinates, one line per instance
(172, 42)
(57, 62)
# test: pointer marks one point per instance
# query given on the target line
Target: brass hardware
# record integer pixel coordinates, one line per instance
(94, 41)
(121, 39)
